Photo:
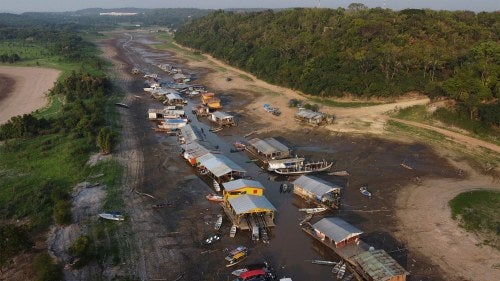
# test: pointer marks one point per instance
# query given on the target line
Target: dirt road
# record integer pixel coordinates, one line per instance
(28, 92)
(457, 137)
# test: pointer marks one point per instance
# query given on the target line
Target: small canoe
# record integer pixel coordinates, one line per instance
(339, 174)
(232, 233)
(365, 191)
(337, 267)
(238, 272)
(321, 262)
(218, 223)
(341, 272)
(313, 210)
(112, 216)
(214, 197)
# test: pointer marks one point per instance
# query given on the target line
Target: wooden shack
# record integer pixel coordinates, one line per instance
(240, 187)
(336, 232)
(201, 110)
(268, 148)
(222, 119)
(192, 151)
(311, 117)
(174, 99)
(377, 265)
(318, 191)
(189, 134)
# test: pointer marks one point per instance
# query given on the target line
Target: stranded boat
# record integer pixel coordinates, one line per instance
(236, 256)
(365, 191)
(307, 168)
(214, 197)
(321, 262)
(210, 240)
(313, 210)
(218, 223)
(112, 216)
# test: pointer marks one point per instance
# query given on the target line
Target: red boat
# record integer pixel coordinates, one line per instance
(214, 197)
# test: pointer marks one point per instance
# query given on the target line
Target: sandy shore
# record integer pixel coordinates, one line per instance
(28, 91)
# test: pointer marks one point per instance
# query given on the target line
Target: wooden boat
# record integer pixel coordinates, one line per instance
(232, 233)
(321, 262)
(339, 174)
(307, 168)
(313, 210)
(274, 164)
(238, 272)
(306, 219)
(215, 129)
(341, 272)
(214, 197)
(218, 223)
(239, 145)
(112, 216)
(348, 277)
(236, 256)
(337, 267)
(264, 266)
(216, 186)
(365, 191)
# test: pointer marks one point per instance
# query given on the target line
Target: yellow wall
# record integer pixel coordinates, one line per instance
(214, 104)
(244, 190)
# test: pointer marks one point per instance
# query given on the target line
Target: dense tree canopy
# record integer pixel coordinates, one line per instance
(366, 52)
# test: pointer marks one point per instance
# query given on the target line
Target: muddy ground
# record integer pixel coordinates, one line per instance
(168, 240)
(6, 86)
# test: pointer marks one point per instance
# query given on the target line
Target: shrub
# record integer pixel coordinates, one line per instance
(46, 269)
(82, 249)
(13, 240)
(106, 140)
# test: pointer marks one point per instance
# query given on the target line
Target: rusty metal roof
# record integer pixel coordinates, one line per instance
(379, 265)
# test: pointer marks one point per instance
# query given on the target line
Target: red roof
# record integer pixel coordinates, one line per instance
(252, 273)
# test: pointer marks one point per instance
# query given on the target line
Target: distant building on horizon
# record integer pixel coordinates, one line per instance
(117, 14)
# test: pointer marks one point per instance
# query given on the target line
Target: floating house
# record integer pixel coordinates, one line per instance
(189, 134)
(268, 148)
(220, 168)
(311, 117)
(157, 114)
(319, 191)
(222, 119)
(210, 100)
(336, 232)
(172, 123)
(174, 99)
(250, 211)
(240, 187)
(192, 151)
(377, 265)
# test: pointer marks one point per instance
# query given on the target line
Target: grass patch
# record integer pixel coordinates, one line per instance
(264, 91)
(51, 110)
(168, 44)
(35, 168)
(333, 103)
(479, 211)
(245, 77)
(482, 158)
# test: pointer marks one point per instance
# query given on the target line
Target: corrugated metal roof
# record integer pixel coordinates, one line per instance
(309, 114)
(336, 229)
(379, 265)
(237, 184)
(219, 164)
(268, 146)
(246, 203)
(195, 150)
(189, 134)
(173, 96)
(221, 115)
(314, 185)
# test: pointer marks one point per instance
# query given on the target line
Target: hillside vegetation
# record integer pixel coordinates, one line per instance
(365, 52)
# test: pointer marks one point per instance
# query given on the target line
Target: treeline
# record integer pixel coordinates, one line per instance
(365, 52)
(90, 20)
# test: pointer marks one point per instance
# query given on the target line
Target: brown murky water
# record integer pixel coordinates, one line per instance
(371, 161)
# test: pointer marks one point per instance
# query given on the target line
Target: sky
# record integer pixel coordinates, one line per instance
(19, 6)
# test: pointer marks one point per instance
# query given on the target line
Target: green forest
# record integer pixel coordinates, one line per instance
(363, 52)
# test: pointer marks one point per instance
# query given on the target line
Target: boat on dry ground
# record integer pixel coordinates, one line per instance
(214, 197)
(112, 216)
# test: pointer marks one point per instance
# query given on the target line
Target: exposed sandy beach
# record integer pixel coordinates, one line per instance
(27, 92)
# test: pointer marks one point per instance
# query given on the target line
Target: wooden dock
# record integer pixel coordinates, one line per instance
(243, 225)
